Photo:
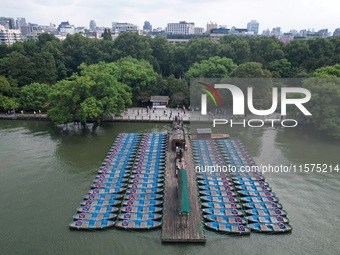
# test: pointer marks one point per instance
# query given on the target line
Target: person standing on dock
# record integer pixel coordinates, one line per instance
(34, 112)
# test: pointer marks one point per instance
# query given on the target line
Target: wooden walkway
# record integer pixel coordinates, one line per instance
(171, 232)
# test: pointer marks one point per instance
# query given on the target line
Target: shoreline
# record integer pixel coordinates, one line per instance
(141, 115)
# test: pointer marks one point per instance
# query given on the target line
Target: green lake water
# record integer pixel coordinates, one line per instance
(45, 171)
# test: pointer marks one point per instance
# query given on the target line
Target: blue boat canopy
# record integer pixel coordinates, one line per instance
(184, 193)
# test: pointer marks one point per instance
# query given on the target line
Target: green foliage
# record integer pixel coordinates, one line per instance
(5, 86)
(324, 104)
(328, 71)
(34, 97)
(139, 76)
(107, 34)
(162, 53)
(199, 49)
(92, 95)
(280, 68)
(8, 103)
(265, 50)
(214, 67)
(178, 91)
(250, 70)
(130, 44)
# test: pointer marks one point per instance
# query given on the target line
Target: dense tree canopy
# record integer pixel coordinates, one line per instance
(143, 66)
(92, 95)
(214, 67)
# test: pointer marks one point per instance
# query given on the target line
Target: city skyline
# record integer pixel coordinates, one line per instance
(307, 14)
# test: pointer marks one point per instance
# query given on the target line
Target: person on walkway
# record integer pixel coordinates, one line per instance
(34, 112)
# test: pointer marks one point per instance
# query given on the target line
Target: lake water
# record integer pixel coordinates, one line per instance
(45, 171)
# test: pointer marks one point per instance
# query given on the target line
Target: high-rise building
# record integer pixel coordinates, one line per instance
(93, 25)
(253, 26)
(124, 27)
(9, 36)
(8, 23)
(337, 32)
(276, 31)
(181, 28)
(323, 33)
(21, 22)
(147, 26)
(210, 26)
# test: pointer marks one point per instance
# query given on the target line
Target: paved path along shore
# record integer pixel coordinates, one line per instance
(157, 115)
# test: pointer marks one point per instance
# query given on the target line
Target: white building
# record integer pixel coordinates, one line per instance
(66, 30)
(181, 28)
(10, 36)
(124, 27)
(199, 30)
(253, 26)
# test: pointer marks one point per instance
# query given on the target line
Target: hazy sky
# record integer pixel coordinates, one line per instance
(288, 14)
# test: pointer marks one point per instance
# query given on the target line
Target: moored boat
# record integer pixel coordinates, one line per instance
(228, 228)
(138, 224)
(270, 228)
(91, 224)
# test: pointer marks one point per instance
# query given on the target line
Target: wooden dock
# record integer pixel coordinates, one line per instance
(171, 231)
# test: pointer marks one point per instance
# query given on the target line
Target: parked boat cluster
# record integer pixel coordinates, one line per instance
(235, 202)
(127, 192)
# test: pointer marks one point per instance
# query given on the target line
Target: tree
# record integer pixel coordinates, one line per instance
(92, 95)
(324, 104)
(34, 97)
(133, 45)
(328, 71)
(138, 75)
(5, 86)
(321, 54)
(8, 103)
(19, 67)
(178, 91)
(74, 48)
(250, 70)
(199, 49)
(179, 61)
(107, 34)
(161, 51)
(280, 68)
(214, 67)
(297, 52)
(265, 50)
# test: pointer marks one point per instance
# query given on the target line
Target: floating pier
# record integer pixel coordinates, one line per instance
(149, 181)
(182, 222)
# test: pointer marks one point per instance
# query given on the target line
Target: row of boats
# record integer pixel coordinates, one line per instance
(235, 202)
(128, 190)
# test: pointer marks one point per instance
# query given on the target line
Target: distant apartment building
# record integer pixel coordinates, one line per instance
(240, 31)
(210, 26)
(118, 27)
(323, 33)
(181, 28)
(336, 32)
(253, 26)
(66, 28)
(216, 33)
(10, 36)
(276, 31)
(21, 22)
(92, 25)
(8, 23)
(147, 26)
(199, 30)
